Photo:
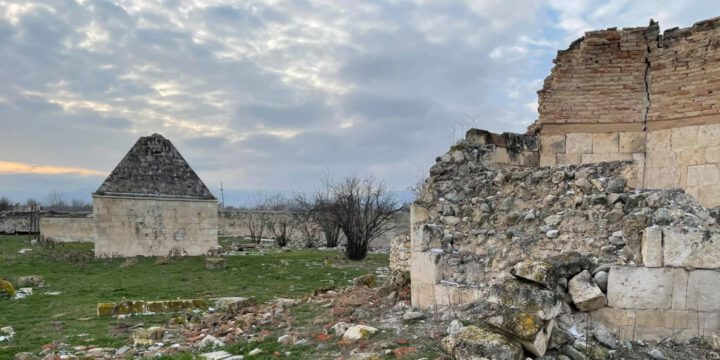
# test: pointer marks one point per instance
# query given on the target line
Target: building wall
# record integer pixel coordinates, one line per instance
(68, 229)
(154, 227)
(632, 94)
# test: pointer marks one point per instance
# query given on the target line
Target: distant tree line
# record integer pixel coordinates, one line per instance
(54, 201)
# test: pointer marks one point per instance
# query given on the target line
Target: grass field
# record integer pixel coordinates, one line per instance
(83, 282)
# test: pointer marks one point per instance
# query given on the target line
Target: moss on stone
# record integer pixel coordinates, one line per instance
(6, 289)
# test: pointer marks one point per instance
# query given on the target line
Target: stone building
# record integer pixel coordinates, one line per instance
(153, 203)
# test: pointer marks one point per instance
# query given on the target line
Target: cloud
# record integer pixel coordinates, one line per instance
(267, 95)
(7, 167)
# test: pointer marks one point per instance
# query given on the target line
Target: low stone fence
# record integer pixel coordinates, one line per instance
(68, 229)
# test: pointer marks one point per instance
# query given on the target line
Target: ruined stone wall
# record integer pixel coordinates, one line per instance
(154, 227)
(476, 218)
(14, 222)
(68, 229)
(564, 248)
(632, 94)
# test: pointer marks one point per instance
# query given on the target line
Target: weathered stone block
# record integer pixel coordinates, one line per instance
(552, 144)
(690, 156)
(684, 137)
(605, 143)
(632, 142)
(514, 294)
(424, 267)
(536, 271)
(548, 159)
(658, 140)
(579, 143)
(641, 288)
(709, 135)
(568, 159)
(605, 157)
(700, 175)
(702, 292)
(422, 296)
(586, 295)
(689, 247)
(474, 342)
(712, 154)
(708, 195)
(651, 248)
(427, 236)
(656, 159)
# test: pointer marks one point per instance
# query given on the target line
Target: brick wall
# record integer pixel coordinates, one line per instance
(632, 94)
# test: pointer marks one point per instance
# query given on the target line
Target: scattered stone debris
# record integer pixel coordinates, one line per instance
(33, 281)
(215, 263)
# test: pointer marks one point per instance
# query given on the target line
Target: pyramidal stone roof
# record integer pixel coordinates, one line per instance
(154, 168)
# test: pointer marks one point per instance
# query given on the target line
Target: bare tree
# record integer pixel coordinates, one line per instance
(363, 209)
(55, 200)
(256, 223)
(283, 220)
(318, 211)
(5, 204)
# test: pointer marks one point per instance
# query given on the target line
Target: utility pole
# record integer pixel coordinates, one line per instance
(222, 195)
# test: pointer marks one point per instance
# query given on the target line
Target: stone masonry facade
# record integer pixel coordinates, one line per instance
(634, 94)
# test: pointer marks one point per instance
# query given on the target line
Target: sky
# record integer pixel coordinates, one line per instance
(273, 95)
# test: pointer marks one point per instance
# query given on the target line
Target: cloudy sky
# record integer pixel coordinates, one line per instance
(270, 94)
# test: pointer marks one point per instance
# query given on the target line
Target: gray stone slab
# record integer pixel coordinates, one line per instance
(642, 288)
(688, 247)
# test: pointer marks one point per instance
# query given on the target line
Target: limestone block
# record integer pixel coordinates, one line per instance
(473, 342)
(708, 195)
(700, 175)
(424, 268)
(501, 156)
(615, 319)
(642, 288)
(703, 294)
(712, 154)
(426, 236)
(687, 247)
(690, 156)
(661, 177)
(552, 144)
(568, 159)
(548, 160)
(536, 271)
(579, 143)
(447, 295)
(684, 137)
(422, 296)
(658, 140)
(665, 158)
(632, 142)
(605, 143)
(586, 295)
(605, 157)
(709, 135)
(418, 214)
(651, 248)
(515, 294)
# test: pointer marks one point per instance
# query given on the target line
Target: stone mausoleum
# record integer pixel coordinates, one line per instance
(151, 204)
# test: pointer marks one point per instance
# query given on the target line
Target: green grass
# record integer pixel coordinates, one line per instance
(40, 319)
